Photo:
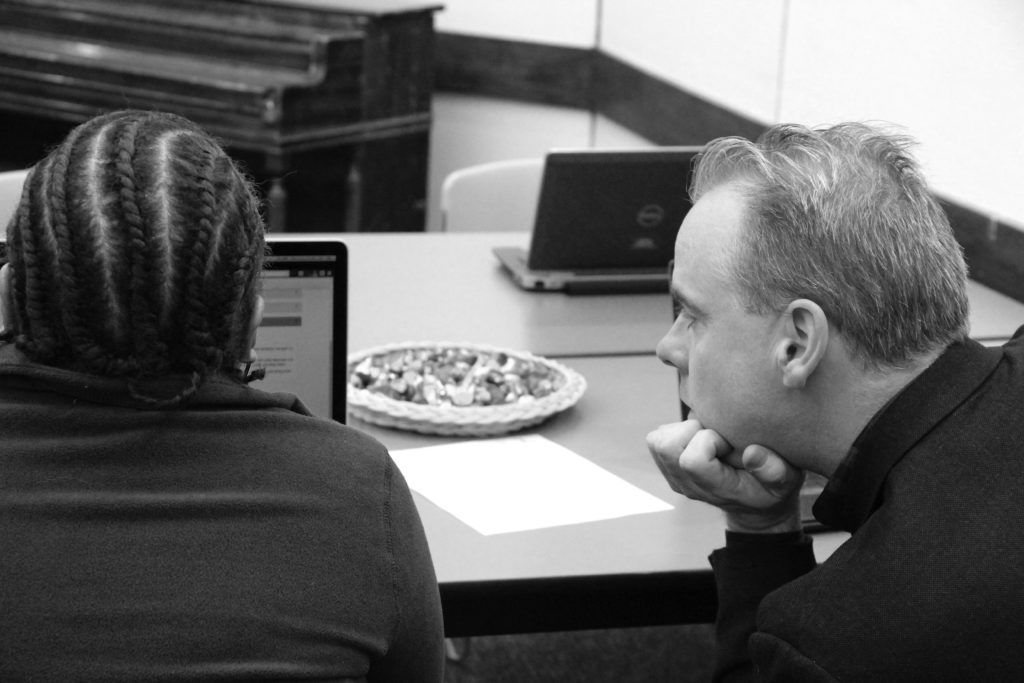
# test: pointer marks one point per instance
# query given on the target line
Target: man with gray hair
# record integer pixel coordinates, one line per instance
(823, 328)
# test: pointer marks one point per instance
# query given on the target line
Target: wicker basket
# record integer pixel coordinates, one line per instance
(452, 420)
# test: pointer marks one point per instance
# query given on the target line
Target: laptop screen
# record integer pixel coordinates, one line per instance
(301, 343)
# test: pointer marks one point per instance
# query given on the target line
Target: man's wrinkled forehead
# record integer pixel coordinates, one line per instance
(708, 243)
(715, 224)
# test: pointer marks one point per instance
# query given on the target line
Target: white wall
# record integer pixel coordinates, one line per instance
(726, 51)
(555, 22)
(947, 71)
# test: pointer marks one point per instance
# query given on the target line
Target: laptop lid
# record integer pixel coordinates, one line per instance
(609, 209)
(302, 341)
(606, 221)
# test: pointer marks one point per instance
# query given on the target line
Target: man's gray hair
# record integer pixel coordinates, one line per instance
(842, 216)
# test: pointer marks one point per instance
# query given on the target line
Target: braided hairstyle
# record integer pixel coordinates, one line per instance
(136, 249)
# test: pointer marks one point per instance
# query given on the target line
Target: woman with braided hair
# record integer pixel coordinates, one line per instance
(159, 518)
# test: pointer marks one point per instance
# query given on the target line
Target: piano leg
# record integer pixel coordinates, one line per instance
(277, 196)
(353, 195)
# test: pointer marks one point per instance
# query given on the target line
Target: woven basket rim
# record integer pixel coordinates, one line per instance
(387, 411)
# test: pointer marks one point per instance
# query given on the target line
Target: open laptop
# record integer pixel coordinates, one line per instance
(302, 341)
(606, 221)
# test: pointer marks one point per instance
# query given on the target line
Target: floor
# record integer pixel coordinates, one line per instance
(680, 654)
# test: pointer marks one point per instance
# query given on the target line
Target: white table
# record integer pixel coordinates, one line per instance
(641, 570)
(449, 287)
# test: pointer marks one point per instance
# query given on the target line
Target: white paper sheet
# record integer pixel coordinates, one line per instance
(519, 483)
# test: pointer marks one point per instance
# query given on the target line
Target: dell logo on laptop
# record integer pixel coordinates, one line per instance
(650, 216)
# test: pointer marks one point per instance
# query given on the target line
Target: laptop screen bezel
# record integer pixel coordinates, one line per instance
(283, 246)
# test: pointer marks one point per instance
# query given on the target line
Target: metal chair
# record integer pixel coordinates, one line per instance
(491, 197)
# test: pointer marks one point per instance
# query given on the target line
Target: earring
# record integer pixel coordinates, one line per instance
(258, 373)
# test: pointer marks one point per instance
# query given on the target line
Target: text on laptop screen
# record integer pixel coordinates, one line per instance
(295, 343)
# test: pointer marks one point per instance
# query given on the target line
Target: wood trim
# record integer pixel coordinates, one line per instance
(584, 79)
(527, 72)
(669, 115)
(661, 112)
(993, 249)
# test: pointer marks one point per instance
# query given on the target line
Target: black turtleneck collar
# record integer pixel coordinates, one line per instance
(219, 389)
(855, 490)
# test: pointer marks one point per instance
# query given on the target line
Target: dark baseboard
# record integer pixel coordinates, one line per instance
(669, 115)
(661, 112)
(994, 250)
(527, 72)
(584, 79)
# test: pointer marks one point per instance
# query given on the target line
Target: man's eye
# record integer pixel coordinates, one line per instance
(684, 316)
(677, 308)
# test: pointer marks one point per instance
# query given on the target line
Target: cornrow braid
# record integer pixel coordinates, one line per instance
(33, 297)
(136, 249)
(199, 338)
(225, 313)
(73, 259)
(143, 304)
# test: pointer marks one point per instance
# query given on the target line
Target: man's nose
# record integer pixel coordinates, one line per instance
(672, 351)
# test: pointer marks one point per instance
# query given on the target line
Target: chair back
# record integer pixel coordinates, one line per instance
(491, 197)
(11, 183)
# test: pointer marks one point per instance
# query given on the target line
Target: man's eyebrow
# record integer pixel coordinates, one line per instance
(680, 301)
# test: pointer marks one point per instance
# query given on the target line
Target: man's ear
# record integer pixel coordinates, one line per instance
(7, 316)
(802, 342)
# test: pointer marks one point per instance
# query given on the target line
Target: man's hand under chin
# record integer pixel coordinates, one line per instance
(758, 490)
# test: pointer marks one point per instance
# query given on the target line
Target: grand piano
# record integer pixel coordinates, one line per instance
(326, 102)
